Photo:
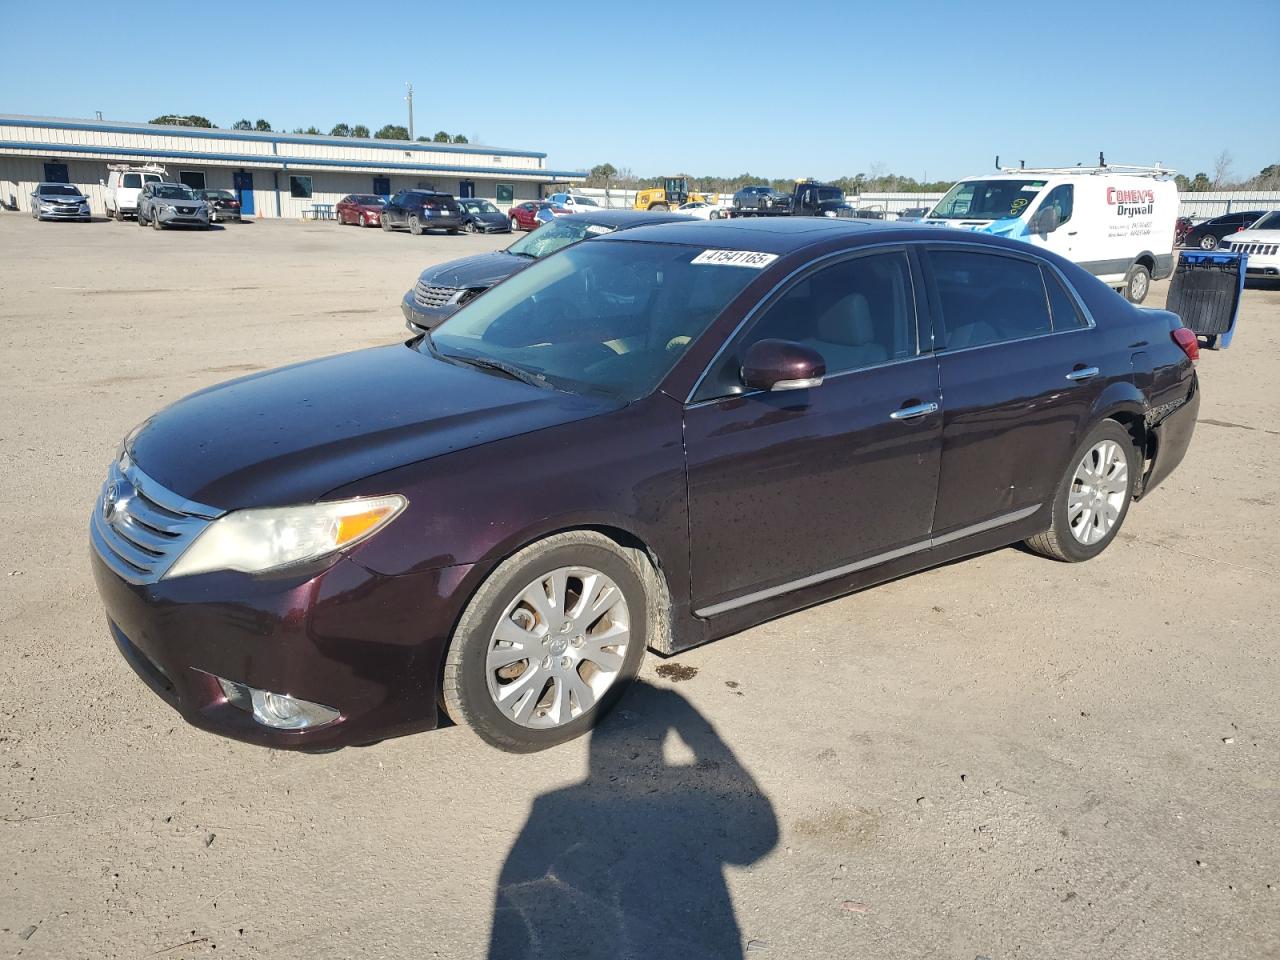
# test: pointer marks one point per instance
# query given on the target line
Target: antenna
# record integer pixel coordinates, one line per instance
(409, 97)
(997, 161)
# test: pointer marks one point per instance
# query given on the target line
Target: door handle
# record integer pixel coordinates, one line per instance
(1073, 233)
(910, 413)
(1084, 373)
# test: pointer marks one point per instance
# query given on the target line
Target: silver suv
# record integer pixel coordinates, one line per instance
(170, 205)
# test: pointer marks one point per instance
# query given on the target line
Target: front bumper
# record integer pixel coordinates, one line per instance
(63, 214)
(420, 319)
(217, 214)
(178, 219)
(367, 644)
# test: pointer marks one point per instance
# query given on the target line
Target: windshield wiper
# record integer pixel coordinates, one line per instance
(520, 253)
(501, 366)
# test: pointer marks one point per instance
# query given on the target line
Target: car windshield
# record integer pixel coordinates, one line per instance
(830, 193)
(218, 195)
(556, 235)
(987, 199)
(609, 318)
(479, 206)
(59, 190)
(1269, 222)
(174, 191)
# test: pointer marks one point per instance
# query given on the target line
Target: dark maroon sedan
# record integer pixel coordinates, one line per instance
(362, 209)
(654, 439)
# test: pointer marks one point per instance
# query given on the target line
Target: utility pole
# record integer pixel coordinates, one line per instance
(409, 97)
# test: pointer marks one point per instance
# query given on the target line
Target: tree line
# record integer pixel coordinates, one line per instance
(390, 131)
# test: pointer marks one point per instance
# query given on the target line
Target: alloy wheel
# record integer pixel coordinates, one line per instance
(558, 647)
(1098, 491)
(1208, 242)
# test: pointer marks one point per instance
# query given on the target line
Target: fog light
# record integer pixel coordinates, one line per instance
(278, 710)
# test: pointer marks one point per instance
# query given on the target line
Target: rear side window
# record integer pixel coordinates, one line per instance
(151, 178)
(1066, 313)
(131, 180)
(988, 298)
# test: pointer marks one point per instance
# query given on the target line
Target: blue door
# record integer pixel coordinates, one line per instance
(56, 173)
(243, 181)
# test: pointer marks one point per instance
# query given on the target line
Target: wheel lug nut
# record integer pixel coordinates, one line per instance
(564, 662)
(577, 641)
(546, 663)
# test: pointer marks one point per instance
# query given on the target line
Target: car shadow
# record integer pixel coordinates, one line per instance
(630, 861)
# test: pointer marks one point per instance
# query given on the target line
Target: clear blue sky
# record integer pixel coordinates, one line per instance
(926, 89)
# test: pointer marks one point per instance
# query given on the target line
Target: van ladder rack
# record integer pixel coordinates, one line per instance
(1124, 169)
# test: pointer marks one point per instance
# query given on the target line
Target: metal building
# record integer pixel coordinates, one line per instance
(274, 174)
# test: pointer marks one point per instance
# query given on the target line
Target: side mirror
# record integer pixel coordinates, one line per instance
(1045, 221)
(782, 365)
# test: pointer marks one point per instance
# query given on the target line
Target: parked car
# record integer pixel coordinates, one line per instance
(171, 205)
(442, 289)
(59, 201)
(656, 438)
(761, 199)
(223, 205)
(534, 213)
(1208, 234)
(574, 201)
(481, 216)
(122, 186)
(362, 209)
(1261, 243)
(911, 214)
(702, 210)
(422, 210)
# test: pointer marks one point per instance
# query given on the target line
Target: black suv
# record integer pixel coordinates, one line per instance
(420, 210)
(1208, 234)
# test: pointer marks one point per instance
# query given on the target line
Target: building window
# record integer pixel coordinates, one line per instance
(504, 193)
(299, 187)
(56, 173)
(192, 178)
(382, 186)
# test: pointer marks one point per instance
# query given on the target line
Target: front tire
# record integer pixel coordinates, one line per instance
(659, 206)
(155, 222)
(1208, 242)
(363, 221)
(549, 642)
(1093, 497)
(1137, 284)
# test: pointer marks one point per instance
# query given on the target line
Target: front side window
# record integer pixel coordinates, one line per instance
(1063, 199)
(299, 187)
(856, 313)
(987, 199)
(609, 317)
(988, 298)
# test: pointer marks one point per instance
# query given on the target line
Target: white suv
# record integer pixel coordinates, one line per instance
(123, 186)
(1261, 242)
(573, 201)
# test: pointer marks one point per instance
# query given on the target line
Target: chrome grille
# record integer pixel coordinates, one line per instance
(139, 528)
(1262, 249)
(425, 295)
(186, 211)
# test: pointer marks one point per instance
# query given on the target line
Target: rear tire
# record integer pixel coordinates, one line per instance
(1079, 528)
(415, 226)
(386, 224)
(1208, 242)
(1137, 284)
(659, 206)
(467, 682)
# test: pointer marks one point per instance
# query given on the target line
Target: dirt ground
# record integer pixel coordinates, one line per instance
(1005, 757)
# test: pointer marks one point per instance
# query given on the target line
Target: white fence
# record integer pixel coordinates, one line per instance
(1198, 206)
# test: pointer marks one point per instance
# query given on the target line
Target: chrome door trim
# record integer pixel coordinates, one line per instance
(770, 592)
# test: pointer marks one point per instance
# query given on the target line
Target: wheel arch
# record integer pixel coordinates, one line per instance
(1146, 259)
(1124, 403)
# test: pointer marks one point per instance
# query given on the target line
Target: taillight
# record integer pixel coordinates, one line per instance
(1188, 341)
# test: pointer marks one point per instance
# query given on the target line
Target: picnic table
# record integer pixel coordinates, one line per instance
(319, 211)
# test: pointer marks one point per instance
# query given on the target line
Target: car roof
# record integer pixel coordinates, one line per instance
(767, 234)
(626, 219)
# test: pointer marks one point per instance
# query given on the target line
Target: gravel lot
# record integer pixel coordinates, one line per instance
(1002, 757)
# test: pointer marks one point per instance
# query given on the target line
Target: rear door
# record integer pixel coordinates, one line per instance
(1020, 367)
(790, 488)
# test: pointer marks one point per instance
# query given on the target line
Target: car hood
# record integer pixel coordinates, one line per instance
(483, 270)
(496, 217)
(1254, 236)
(294, 434)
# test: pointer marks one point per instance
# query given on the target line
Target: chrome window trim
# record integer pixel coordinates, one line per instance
(848, 254)
(814, 579)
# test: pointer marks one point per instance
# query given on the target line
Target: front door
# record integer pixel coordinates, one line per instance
(242, 180)
(466, 189)
(1062, 240)
(1021, 368)
(788, 487)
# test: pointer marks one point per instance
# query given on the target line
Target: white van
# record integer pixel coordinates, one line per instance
(124, 183)
(1116, 222)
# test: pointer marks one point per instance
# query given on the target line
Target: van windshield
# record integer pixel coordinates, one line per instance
(987, 199)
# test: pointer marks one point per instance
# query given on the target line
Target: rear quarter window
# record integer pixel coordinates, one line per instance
(132, 180)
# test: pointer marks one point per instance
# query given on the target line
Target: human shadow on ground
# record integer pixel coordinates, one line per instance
(629, 863)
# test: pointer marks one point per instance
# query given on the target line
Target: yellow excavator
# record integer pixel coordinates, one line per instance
(673, 192)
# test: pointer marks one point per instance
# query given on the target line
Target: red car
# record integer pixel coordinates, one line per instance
(534, 213)
(364, 209)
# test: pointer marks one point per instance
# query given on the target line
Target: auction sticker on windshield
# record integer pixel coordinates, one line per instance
(735, 258)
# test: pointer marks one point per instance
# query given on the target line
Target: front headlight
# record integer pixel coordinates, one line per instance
(256, 540)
